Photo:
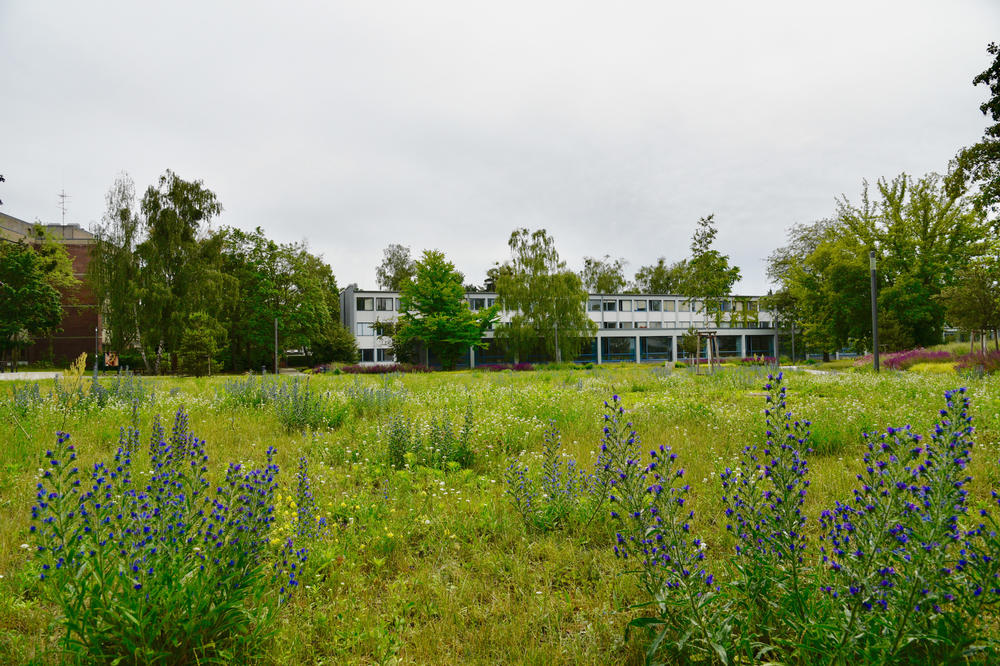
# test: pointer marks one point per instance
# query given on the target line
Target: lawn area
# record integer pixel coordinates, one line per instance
(432, 563)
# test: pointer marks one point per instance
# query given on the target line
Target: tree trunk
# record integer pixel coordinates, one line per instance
(826, 357)
(138, 339)
(159, 358)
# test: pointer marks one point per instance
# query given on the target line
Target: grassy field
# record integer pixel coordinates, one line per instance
(422, 565)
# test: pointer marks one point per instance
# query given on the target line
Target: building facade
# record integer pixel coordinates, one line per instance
(636, 328)
(81, 320)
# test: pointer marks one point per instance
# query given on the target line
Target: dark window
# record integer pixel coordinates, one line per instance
(366, 303)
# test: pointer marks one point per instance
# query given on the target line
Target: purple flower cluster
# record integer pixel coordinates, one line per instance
(904, 360)
(764, 496)
(896, 547)
(173, 547)
(650, 503)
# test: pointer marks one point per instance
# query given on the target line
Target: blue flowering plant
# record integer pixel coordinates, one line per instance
(901, 569)
(649, 504)
(559, 491)
(167, 567)
(763, 497)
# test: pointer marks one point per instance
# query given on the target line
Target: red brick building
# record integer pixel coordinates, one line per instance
(81, 319)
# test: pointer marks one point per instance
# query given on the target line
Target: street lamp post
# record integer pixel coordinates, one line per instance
(874, 287)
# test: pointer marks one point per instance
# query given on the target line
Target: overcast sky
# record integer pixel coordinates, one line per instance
(446, 125)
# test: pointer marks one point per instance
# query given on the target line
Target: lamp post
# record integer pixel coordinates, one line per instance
(871, 262)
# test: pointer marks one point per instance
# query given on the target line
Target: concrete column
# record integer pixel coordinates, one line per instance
(599, 347)
(743, 346)
(637, 359)
(472, 357)
(673, 346)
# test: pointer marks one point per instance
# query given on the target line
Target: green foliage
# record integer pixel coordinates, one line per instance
(179, 571)
(29, 304)
(708, 278)
(287, 283)
(659, 278)
(436, 314)
(200, 344)
(979, 164)
(396, 269)
(603, 276)
(547, 301)
(972, 303)
(922, 234)
(434, 443)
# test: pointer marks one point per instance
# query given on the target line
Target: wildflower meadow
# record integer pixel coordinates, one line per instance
(610, 514)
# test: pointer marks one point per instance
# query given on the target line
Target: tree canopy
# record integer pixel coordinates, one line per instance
(168, 283)
(397, 267)
(546, 300)
(979, 164)
(660, 278)
(435, 312)
(707, 276)
(604, 276)
(29, 305)
(921, 232)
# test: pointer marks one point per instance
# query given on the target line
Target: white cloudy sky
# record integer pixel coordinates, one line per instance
(448, 124)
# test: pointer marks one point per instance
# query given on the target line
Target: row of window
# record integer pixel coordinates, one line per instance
(476, 303)
(367, 329)
(659, 305)
(376, 356)
(683, 324)
(378, 303)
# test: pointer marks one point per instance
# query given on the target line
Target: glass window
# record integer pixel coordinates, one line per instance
(752, 306)
(685, 306)
(397, 305)
(654, 304)
(669, 306)
(610, 306)
(384, 355)
(383, 304)
(610, 324)
(367, 355)
(656, 324)
(364, 328)
(366, 303)
(640, 324)
(640, 305)
(490, 302)
(476, 304)
(625, 324)
(625, 306)
(594, 305)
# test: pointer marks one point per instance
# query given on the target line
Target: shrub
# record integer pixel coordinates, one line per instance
(989, 362)
(548, 502)
(904, 360)
(654, 541)
(500, 367)
(365, 399)
(435, 444)
(379, 369)
(172, 569)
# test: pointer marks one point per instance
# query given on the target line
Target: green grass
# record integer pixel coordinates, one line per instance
(432, 567)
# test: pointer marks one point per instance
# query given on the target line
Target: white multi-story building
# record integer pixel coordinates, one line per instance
(630, 327)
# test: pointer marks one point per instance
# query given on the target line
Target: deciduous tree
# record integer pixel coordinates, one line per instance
(435, 312)
(396, 269)
(603, 276)
(547, 301)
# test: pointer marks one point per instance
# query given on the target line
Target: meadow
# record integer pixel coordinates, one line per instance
(425, 552)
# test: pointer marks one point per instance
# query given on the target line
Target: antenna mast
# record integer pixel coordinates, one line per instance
(62, 204)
